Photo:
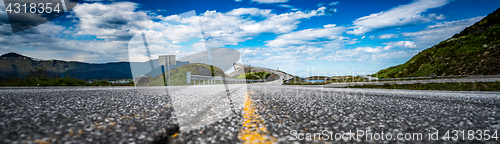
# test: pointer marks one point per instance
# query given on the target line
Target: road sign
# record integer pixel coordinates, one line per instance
(166, 60)
(188, 77)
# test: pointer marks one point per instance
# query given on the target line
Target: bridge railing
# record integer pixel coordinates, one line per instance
(210, 80)
(275, 72)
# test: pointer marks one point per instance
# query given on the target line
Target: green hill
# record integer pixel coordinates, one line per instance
(178, 75)
(474, 51)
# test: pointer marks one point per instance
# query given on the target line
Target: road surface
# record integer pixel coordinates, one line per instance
(261, 112)
(241, 113)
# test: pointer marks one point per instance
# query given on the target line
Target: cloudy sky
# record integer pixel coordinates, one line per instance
(302, 37)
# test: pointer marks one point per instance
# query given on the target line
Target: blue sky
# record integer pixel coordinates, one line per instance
(302, 37)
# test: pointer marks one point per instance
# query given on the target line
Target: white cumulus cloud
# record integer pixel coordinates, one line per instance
(333, 3)
(403, 15)
(250, 11)
(220, 29)
(357, 54)
(387, 36)
(308, 36)
(401, 44)
(438, 32)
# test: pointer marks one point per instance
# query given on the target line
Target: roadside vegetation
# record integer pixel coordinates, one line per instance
(451, 86)
(341, 79)
(255, 75)
(40, 77)
(318, 78)
(178, 74)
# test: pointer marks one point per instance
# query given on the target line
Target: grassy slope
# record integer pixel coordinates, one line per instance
(178, 75)
(475, 50)
(255, 75)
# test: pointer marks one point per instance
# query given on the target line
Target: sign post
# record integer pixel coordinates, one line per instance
(167, 60)
(188, 77)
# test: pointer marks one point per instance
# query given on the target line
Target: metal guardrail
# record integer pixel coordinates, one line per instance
(210, 80)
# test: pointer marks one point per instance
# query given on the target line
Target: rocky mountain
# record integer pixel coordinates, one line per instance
(474, 51)
(16, 65)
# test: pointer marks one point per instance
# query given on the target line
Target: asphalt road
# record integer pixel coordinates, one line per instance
(252, 113)
(279, 112)
(106, 114)
(315, 110)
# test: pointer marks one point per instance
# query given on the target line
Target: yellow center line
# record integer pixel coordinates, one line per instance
(41, 142)
(253, 130)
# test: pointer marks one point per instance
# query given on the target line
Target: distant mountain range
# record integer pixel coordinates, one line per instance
(474, 51)
(16, 65)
